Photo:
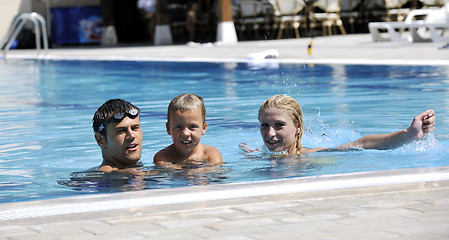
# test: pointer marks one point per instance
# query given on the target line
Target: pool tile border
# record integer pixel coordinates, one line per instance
(162, 197)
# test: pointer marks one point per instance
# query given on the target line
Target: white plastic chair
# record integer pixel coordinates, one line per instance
(347, 11)
(286, 15)
(251, 14)
(331, 16)
(433, 3)
(431, 28)
(395, 12)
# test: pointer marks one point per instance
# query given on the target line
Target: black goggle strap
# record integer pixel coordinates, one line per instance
(132, 113)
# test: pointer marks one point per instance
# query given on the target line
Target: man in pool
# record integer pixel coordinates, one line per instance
(116, 124)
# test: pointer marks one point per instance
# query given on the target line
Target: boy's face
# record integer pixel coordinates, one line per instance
(186, 129)
(123, 141)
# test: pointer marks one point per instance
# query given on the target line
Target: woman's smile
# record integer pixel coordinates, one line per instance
(278, 129)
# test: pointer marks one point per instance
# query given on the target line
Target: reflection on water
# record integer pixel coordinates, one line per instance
(269, 166)
(291, 166)
(94, 181)
(145, 178)
(287, 166)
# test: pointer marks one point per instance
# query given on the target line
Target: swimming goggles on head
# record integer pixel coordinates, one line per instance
(132, 113)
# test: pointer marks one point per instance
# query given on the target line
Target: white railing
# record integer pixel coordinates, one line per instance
(18, 24)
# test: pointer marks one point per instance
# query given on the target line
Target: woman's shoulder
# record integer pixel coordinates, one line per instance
(305, 150)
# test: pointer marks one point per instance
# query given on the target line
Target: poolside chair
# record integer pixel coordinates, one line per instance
(286, 15)
(432, 27)
(348, 11)
(395, 12)
(330, 18)
(433, 3)
(251, 15)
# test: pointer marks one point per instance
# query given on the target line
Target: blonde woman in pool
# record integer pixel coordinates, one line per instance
(282, 128)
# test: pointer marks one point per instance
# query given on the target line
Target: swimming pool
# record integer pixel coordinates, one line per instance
(47, 106)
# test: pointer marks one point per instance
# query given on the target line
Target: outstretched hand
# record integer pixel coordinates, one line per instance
(245, 148)
(422, 124)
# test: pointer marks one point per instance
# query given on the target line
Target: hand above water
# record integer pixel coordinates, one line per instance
(245, 148)
(422, 124)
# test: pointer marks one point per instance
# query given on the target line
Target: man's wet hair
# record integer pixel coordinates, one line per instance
(108, 109)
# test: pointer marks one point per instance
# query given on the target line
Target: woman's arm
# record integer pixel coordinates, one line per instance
(422, 124)
(245, 148)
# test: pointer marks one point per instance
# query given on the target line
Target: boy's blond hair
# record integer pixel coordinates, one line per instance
(293, 109)
(186, 102)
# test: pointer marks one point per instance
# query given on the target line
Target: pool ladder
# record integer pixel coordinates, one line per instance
(18, 24)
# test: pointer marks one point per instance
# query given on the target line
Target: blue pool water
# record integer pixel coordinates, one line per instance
(46, 109)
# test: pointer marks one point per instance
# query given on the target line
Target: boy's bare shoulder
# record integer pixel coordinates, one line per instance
(164, 155)
(212, 154)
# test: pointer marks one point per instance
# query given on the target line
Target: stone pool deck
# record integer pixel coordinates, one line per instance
(398, 204)
(350, 49)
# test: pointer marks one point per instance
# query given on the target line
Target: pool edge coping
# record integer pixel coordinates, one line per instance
(216, 192)
(345, 61)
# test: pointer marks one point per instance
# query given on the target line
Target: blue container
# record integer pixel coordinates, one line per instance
(76, 25)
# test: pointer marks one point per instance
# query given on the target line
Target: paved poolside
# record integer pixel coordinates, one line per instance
(399, 204)
(350, 48)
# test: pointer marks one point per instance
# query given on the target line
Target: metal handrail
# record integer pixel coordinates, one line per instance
(18, 24)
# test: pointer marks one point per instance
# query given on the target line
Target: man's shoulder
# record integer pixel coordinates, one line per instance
(106, 168)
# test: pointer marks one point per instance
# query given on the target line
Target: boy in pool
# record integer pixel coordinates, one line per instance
(282, 128)
(116, 124)
(186, 123)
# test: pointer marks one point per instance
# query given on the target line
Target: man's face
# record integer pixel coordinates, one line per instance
(123, 141)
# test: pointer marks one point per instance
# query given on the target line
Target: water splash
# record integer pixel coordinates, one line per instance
(427, 143)
(320, 134)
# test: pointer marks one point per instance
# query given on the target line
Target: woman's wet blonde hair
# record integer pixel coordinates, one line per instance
(292, 107)
(187, 102)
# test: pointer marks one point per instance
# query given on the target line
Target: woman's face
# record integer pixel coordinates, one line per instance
(278, 130)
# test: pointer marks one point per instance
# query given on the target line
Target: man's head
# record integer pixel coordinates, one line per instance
(116, 124)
